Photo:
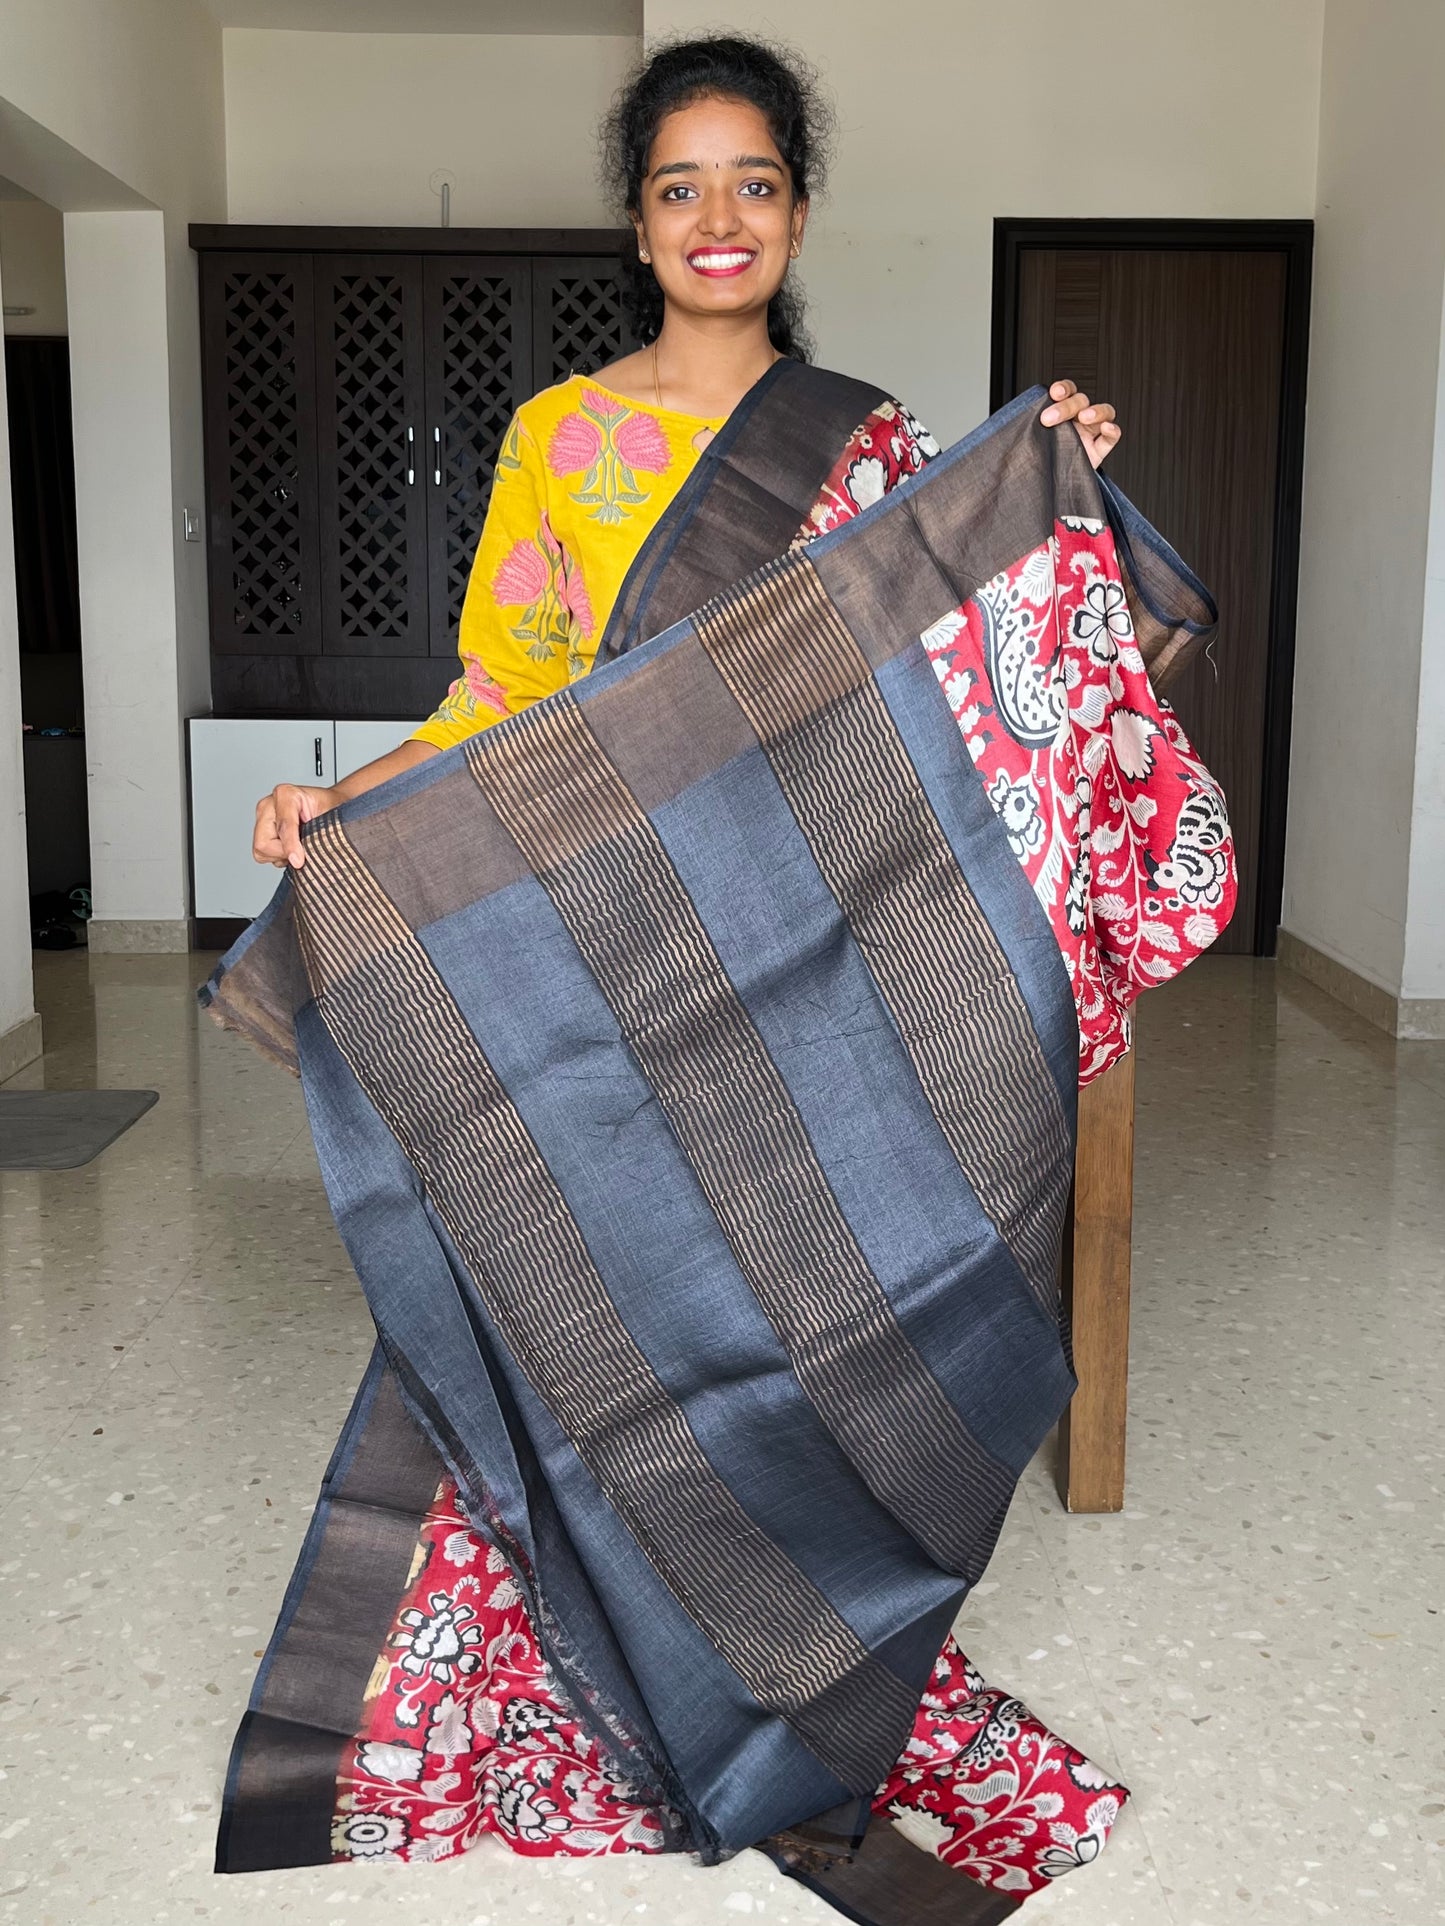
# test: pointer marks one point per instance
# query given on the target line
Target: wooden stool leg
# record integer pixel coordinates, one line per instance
(1096, 1294)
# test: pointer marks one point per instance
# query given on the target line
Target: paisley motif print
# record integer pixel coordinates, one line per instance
(1116, 823)
(1024, 665)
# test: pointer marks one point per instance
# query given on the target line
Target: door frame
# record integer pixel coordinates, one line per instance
(1295, 240)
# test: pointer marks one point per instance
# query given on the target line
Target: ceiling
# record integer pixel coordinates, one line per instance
(434, 16)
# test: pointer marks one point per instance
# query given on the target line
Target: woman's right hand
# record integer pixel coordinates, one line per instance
(279, 817)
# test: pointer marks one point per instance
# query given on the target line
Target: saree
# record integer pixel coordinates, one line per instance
(692, 1071)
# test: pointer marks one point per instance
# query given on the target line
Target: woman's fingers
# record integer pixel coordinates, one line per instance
(1064, 407)
(1098, 430)
(1061, 391)
(279, 817)
(291, 811)
(1099, 442)
(1095, 421)
(266, 841)
(288, 829)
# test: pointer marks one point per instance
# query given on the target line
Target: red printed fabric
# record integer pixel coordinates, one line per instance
(1117, 824)
(463, 1734)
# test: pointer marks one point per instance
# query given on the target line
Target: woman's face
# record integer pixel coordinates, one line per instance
(718, 215)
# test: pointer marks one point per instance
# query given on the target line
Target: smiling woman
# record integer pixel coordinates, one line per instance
(686, 1448)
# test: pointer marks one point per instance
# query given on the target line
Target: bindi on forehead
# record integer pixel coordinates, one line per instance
(739, 162)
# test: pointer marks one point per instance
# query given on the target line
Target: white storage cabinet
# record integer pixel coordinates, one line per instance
(233, 764)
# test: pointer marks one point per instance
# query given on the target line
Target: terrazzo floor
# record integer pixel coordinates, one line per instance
(1256, 1644)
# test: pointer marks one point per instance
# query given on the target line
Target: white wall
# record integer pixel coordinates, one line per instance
(1362, 806)
(951, 112)
(343, 128)
(1424, 969)
(18, 1041)
(120, 382)
(118, 104)
(32, 255)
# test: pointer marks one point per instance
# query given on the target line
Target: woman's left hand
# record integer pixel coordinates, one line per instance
(1094, 420)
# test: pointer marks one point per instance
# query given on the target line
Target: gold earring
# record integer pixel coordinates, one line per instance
(643, 256)
(795, 250)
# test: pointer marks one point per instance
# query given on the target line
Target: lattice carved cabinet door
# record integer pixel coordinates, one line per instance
(577, 319)
(478, 372)
(260, 407)
(371, 433)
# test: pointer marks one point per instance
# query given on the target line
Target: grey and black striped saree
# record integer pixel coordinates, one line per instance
(693, 1073)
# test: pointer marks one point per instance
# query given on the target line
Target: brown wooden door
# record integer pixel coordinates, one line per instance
(370, 437)
(1200, 349)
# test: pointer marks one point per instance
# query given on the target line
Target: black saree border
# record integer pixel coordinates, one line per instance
(308, 1699)
(1141, 551)
(662, 540)
(888, 1881)
(526, 1257)
(837, 404)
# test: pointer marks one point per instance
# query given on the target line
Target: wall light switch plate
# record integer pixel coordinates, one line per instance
(191, 523)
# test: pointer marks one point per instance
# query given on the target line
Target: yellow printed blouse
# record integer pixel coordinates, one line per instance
(583, 478)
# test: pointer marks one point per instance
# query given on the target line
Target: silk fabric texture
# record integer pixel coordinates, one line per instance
(692, 1070)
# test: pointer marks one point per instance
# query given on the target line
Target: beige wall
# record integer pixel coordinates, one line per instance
(120, 378)
(341, 128)
(1361, 797)
(32, 256)
(134, 86)
(17, 1001)
(1424, 969)
(956, 111)
(110, 105)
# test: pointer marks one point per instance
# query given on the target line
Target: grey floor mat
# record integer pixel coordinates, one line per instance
(63, 1129)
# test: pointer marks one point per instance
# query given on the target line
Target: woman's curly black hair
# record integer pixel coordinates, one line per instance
(675, 73)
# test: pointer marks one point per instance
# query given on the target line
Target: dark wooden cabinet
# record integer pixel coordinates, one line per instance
(478, 318)
(357, 388)
(258, 358)
(577, 323)
(370, 428)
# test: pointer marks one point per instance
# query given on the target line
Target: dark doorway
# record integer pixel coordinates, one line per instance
(1198, 332)
(47, 585)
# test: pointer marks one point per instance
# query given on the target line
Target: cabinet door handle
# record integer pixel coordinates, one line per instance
(411, 457)
(320, 765)
(436, 435)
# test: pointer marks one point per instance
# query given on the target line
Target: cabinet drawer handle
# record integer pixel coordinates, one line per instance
(436, 435)
(320, 765)
(411, 457)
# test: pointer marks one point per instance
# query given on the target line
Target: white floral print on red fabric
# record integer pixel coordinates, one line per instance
(884, 450)
(1116, 822)
(441, 1761)
(983, 1786)
(463, 1732)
